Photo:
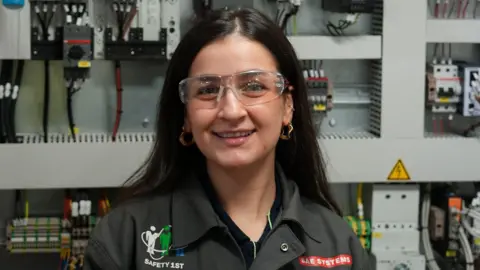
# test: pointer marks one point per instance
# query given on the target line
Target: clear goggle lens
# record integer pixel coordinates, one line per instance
(250, 88)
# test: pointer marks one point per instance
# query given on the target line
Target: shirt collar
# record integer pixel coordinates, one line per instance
(193, 215)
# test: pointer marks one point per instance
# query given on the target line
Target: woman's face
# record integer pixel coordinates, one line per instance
(232, 134)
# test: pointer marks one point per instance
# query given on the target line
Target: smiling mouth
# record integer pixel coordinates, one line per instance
(239, 134)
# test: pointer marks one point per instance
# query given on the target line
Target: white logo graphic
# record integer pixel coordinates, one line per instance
(149, 239)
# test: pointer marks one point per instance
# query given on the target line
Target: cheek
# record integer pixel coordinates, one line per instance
(200, 120)
(267, 119)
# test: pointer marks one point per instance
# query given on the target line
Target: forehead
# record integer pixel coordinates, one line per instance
(232, 54)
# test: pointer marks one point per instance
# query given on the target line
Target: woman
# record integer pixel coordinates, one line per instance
(235, 179)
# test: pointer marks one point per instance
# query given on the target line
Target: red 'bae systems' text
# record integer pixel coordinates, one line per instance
(339, 260)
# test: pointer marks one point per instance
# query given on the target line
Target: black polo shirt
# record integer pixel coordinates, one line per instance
(249, 248)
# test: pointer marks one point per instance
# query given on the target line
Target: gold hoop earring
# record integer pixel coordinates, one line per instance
(182, 138)
(288, 134)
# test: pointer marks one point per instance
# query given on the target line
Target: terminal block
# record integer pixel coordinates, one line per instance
(77, 50)
(145, 30)
(46, 38)
(362, 229)
(35, 235)
(443, 88)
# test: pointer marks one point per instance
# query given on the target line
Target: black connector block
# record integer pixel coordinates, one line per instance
(135, 48)
(348, 6)
(46, 49)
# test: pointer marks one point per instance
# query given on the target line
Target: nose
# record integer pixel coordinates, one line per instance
(230, 107)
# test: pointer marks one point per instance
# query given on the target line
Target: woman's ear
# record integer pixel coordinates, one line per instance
(288, 109)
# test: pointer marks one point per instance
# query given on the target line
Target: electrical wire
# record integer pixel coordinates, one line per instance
(13, 101)
(45, 19)
(475, 9)
(342, 25)
(5, 99)
(425, 237)
(71, 90)
(125, 13)
(5, 77)
(360, 201)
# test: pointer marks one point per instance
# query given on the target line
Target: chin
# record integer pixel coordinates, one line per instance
(233, 160)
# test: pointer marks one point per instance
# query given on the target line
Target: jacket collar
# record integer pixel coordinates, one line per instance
(193, 215)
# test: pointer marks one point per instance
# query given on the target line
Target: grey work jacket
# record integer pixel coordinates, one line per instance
(182, 231)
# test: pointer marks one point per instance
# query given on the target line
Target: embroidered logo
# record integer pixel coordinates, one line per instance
(326, 262)
(159, 245)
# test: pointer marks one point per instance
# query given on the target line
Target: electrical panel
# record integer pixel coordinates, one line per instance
(348, 6)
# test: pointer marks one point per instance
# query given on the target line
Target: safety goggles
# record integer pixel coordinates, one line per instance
(250, 88)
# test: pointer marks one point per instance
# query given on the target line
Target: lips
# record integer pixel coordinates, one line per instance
(234, 134)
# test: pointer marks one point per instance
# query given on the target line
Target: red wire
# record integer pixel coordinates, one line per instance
(464, 11)
(118, 115)
(459, 9)
(441, 131)
(436, 10)
(445, 7)
(128, 24)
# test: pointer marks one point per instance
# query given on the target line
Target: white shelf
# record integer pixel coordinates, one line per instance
(350, 160)
(453, 31)
(347, 47)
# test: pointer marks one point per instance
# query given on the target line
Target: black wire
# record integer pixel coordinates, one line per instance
(288, 16)
(337, 30)
(45, 23)
(46, 100)
(71, 123)
(18, 204)
(12, 133)
(7, 72)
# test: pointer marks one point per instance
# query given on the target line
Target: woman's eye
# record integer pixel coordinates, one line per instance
(253, 86)
(208, 90)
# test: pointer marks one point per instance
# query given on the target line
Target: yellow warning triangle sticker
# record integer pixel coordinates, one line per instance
(399, 172)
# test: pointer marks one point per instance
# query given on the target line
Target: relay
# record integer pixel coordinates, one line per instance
(348, 6)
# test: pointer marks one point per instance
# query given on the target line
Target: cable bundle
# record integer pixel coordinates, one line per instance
(9, 89)
(286, 9)
(125, 12)
(45, 13)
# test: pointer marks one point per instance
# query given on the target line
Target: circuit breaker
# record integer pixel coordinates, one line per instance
(319, 93)
(77, 50)
(443, 88)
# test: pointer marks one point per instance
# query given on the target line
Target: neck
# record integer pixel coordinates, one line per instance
(246, 192)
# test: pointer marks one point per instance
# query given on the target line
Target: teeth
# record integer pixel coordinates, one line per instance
(234, 134)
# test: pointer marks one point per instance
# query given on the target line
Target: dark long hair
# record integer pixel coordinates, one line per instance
(300, 157)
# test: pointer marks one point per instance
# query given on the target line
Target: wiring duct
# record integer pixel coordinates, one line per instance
(9, 90)
(125, 13)
(45, 19)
